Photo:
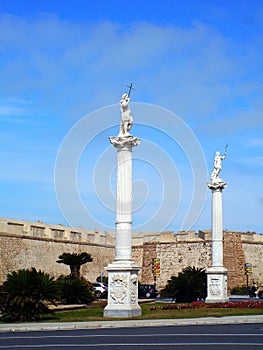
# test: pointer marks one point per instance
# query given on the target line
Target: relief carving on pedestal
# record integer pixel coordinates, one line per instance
(119, 287)
(214, 287)
(134, 288)
(225, 285)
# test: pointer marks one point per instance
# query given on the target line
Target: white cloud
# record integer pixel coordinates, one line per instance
(16, 111)
(13, 107)
(255, 142)
(76, 66)
(70, 69)
(252, 161)
(10, 111)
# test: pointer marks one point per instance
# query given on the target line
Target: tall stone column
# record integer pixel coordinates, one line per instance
(124, 196)
(217, 273)
(123, 272)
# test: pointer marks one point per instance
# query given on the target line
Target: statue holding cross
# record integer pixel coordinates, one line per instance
(218, 166)
(126, 118)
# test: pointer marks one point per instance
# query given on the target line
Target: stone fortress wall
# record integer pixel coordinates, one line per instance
(26, 244)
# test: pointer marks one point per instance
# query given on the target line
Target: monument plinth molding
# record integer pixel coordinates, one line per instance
(123, 271)
(217, 273)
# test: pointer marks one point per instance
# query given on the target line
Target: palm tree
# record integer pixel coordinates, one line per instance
(189, 285)
(74, 260)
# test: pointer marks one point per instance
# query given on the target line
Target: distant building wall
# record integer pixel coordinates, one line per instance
(27, 244)
(253, 251)
(188, 249)
(175, 253)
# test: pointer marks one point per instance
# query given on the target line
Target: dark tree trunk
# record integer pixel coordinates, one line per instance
(75, 271)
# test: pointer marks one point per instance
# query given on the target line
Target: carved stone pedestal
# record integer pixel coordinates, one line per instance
(123, 291)
(216, 285)
(217, 273)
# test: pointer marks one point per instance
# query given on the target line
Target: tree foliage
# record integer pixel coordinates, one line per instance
(239, 290)
(74, 260)
(25, 293)
(75, 290)
(188, 286)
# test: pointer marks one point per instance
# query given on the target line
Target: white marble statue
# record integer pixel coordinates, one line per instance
(126, 118)
(217, 166)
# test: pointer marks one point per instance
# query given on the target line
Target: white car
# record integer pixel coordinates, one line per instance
(100, 289)
(259, 292)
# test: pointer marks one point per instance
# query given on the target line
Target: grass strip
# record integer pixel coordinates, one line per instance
(151, 311)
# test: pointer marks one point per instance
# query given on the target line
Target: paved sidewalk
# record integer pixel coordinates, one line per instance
(14, 327)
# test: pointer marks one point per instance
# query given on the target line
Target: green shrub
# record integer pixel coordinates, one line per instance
(75, 290)
(25, 294)
(188, 286)
(239, 290)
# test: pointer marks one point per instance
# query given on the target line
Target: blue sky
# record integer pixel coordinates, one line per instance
(198, 75)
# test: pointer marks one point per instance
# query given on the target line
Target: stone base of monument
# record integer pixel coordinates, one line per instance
(216, 285)
(122, 290)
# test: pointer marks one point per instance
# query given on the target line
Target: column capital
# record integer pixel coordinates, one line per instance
(217, 186)
(124, 141)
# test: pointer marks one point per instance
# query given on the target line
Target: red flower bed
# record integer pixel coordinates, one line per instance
(200, 304)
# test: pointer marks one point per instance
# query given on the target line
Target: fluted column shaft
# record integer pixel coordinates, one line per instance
(124, 145)
(217, 227)
(124, 203)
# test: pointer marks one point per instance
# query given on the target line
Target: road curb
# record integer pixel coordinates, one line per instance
(16, 327)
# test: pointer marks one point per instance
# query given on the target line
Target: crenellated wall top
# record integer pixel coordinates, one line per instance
(42, 230)
(60, 232)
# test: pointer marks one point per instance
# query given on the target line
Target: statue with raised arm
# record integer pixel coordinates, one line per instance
(126, 118)
(218, 166)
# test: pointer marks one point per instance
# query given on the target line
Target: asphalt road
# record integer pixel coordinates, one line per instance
(208, 337)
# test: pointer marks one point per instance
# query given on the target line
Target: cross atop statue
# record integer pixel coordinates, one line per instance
(130, 89)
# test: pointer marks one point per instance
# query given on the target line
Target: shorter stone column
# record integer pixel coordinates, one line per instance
(217, 273)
